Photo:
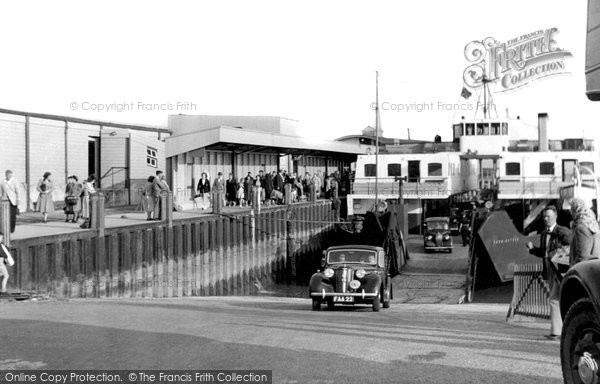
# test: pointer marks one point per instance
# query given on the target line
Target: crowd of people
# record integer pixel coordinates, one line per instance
(271, 187)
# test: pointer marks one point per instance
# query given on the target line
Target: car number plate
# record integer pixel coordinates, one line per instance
(343, 299)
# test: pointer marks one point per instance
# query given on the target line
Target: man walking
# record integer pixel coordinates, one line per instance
(553, 238)
(9, 189)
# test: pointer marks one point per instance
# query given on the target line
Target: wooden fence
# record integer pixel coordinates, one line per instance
(203, 256)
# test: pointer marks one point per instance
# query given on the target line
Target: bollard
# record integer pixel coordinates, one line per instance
(170, 209)
(287, 190)
(5, 220)
(166, 207)
(312, 193)
(93, 210)
(290, 246)
(99, 218)
(253, 227)
(256, 199)
(217, 203)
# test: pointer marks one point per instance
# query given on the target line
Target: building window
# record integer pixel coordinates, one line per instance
(370, 170)
(434, 169)
(587, 164)
(547, 168)
(469, 129)
(495, 128)
(394, 169)
(513, 169)
(483, 129)
(151, 157)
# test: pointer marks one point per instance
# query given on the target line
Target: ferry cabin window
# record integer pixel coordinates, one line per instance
(495, 128)
(586, 164)
(394, 169)
(505, 128)
(469, 129)
(483, 129)
(547, 168)
(513, 169)
(458, 130)
(434, 169)
(370, 170)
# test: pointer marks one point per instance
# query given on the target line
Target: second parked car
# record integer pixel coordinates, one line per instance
(437, 234)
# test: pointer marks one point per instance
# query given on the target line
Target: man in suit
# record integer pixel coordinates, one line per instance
(553, 238)
(9, 188)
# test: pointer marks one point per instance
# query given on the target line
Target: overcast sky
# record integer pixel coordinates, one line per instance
(310, 61)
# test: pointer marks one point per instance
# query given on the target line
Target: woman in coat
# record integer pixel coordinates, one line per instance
(203, 190)
(45, 204)
(73, 198)
(231, 190)
(149, 198)
(585, 243)
(88, 189)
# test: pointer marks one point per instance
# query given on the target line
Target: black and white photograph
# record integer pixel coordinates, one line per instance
(315, 192)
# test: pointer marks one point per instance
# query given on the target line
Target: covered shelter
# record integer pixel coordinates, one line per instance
(242, 144)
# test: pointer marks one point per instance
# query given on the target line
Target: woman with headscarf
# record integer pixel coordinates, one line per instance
(585, 243)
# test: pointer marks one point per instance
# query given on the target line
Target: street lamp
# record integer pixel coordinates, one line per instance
(403, 225)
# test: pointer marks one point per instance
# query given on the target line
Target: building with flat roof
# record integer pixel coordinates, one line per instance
(121, 156)
(242, 144)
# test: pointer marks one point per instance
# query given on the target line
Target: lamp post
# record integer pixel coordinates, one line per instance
(403, 224)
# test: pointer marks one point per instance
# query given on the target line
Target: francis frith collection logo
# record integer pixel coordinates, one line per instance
(515, 63)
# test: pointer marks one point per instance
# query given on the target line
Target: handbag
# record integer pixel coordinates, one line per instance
(71, 200)
(560, 258)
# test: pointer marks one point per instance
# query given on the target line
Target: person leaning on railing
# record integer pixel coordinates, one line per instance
(585, 240)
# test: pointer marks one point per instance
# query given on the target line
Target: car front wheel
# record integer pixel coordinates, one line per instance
(376, 304)
(316, 304)
(387, 294)
(580, 344)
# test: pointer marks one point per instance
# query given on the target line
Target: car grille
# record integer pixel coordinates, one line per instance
(343, 276)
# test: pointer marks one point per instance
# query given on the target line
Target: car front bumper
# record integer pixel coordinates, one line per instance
(323, 294)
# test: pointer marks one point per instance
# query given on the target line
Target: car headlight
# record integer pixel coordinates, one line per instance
(328, 272)
(360, 273)
(429, 237)
(446, 237)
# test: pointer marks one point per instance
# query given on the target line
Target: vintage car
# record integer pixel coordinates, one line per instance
(436, 235)
(580, 310)
(352, 274)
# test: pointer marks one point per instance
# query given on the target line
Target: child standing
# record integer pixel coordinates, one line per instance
(240, 193)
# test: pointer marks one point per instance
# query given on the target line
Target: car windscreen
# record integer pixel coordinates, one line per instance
(352, 256)
(437, 225)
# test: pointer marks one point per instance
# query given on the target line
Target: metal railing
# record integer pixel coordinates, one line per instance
(531, 293)
(366, 186)
(531, 187)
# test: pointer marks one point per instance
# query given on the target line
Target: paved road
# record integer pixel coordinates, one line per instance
(404, 344)
(437, 277)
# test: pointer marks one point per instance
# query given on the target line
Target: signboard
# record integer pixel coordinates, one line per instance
(505, 245)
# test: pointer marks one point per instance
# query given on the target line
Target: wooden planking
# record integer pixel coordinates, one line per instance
(200, 256)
